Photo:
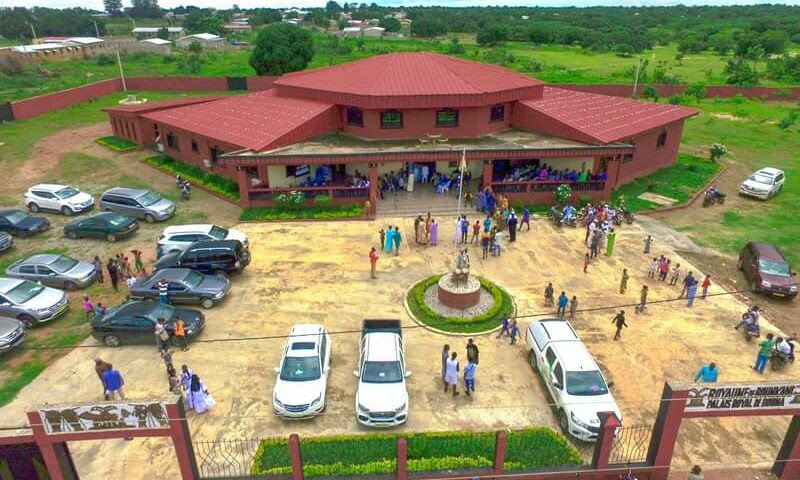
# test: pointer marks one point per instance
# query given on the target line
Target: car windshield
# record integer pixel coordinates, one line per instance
(779, 269)
(116, 220)
(193, 278)
(149, 198)
(300, 369)
(163, 311)
(63, 264)
(761, 179)
(382, 372)
(16, 217)
(586, 383)
(218, 232)
(24, 292)
(67, 192)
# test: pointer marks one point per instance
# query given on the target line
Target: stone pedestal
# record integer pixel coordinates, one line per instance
(459, 292)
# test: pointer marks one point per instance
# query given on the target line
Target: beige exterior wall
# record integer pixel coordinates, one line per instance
(278, 178)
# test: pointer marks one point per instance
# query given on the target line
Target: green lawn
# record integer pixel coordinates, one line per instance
(749, 129)
(117, 144)
(679, 181)
(557, 63)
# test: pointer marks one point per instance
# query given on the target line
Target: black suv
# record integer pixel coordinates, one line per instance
(218, 257)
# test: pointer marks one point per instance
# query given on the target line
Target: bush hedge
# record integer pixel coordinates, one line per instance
(118, 144)
(375, 454)
(316, 212)
(224, 186)
(503, 307)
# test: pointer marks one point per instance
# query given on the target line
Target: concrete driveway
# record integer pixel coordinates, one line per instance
(319, 272)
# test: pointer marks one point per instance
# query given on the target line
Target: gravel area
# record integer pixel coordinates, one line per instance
(484, 304)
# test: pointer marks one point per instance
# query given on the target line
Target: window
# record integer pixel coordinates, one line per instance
(662, 139)
(355, 116)
(194, 147)
(551, 357)
(30, 269)
(558, 373)
(215, 152)
(627, 158)
(172, 141)
(392, 119)
(447, 117)
(497, 113)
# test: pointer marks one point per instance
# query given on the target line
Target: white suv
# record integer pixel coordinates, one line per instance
(57, 198)
(178, 238)
(303, 373)
(578, 389)
(381, 398)
(764, 183)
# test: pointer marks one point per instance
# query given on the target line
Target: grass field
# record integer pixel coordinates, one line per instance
(556, 63)
(117, 144)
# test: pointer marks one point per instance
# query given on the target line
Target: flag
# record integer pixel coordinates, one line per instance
(463, 164)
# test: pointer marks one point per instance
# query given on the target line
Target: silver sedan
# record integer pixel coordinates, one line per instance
(54, 270)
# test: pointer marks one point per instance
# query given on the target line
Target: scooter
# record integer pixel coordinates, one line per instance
(625, 214)
(778, 360)
(713, 196)
(186, 190)
(555, 216)
(751, 331)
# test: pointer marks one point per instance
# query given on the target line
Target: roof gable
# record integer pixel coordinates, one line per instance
(603, 118)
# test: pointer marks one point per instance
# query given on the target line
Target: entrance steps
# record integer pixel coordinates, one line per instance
(413, 204)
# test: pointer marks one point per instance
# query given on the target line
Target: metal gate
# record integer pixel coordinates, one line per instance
(229, 459)
(631, 445)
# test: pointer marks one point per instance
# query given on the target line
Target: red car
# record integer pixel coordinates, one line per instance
(767, 270)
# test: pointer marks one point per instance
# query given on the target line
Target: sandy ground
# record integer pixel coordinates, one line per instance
(319, 272)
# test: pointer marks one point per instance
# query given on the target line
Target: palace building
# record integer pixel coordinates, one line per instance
(337, 130)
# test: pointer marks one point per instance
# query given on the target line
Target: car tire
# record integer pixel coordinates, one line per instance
(33, 207)
(111, 237)
(221, 274)
(149, 218)
(66, 211)
(27, 321)
(563, 422)
(112, 341)
(206, 303)
(72, 235)
(532, 360)
(70, 286)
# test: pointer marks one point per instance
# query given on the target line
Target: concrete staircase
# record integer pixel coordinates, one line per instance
(415, 203)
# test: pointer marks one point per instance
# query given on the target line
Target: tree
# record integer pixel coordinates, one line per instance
(163, 33)
(319, 18)
(145, 9)
(391, 24)
(624, 50)
(455, 47)
(261, 16)
(696, 91)
(740, 73)
(492, 35)
(562, 194)
(191, 64)
(195, 47)
(113, 7)
(342, 24)
(716, 151)
(332, 7)
(650, 92)
(204, 22)
(428, 27)
(282, 48)
(679, 58)
(754, 54)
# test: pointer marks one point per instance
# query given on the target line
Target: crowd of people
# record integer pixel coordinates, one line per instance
(548, 173)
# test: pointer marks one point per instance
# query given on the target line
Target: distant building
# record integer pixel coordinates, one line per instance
(351, 32)
(157, 45)
(152, 32)
(405, 26)
(375, 32)
(207, 40)
(83, 41)
(238, 27)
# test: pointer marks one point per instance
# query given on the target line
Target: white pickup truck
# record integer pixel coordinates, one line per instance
(381, 398)
(578, 389)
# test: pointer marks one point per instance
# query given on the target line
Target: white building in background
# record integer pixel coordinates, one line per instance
(207, 40)
(375, 32)
(151, 32)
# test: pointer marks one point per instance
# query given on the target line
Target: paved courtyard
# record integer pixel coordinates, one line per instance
(319, 272)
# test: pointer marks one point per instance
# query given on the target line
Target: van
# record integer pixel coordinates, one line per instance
(139, 203)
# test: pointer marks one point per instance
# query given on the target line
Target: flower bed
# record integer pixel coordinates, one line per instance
(375, 454)
(332, 212)
(118, 144)
(503, 307)
(218, 184)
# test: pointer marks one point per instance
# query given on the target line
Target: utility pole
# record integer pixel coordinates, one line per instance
(121, 72)
(33, 31)
(96, 31)
(636, 79)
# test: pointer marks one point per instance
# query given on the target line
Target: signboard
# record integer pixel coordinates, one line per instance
(736, 397)
(104, 416)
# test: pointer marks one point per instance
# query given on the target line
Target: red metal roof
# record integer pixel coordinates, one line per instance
(171, 103)
(251, 121)
(414, 76)
(604, 118)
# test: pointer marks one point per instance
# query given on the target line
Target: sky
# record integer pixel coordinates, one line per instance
(98, 4)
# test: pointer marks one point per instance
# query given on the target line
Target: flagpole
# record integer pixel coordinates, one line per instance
(461, 179)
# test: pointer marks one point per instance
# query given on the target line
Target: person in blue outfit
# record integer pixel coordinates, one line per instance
(389, 239)
(708, 373)
(563, 301)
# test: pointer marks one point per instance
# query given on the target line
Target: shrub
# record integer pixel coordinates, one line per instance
(716, 151)
(104, 59)
(336, 212)
(224, 186)
(118, 144)
(11, 65)
(788, 121)
(783, 93)
(322, 201)
(675, 100)
(562, 194)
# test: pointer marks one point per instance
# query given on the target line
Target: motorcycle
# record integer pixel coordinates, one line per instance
(186, 190)
(179, 181)
(625, 214)
(571, 221)
(713, 196)
(554, 215)
(778, 360)
(751, 331)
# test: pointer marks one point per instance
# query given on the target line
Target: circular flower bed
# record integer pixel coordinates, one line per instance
(501, 307)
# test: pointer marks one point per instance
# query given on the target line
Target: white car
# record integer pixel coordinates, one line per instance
(178, 238)
(57, 198)
(381, 398)
(303, 373)
(764, 183)
(576, 385)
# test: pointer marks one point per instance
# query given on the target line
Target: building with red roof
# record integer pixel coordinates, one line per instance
(346, 130)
